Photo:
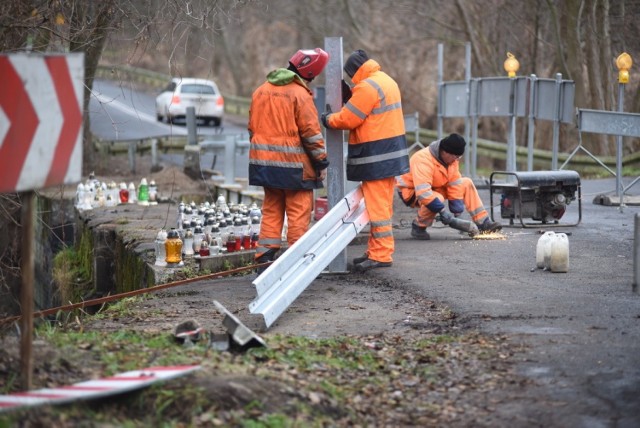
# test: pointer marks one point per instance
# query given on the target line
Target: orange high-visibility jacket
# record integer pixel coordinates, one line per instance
(428, 175)
(377, 142)
(287, 148)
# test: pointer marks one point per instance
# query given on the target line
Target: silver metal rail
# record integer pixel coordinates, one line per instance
(283, 281)
(230, 146)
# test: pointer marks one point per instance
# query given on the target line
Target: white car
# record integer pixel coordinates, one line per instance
(185, 92)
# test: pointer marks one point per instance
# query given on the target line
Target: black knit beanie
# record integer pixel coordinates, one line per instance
(355, 61)
(453, 144)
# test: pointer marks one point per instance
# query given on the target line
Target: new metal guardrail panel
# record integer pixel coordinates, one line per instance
(283, 281)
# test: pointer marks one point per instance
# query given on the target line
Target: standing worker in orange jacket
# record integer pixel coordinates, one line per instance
(287, 154)
(377, 150)
(434, 178)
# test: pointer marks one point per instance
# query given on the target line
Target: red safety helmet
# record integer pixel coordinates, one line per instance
(309, 63)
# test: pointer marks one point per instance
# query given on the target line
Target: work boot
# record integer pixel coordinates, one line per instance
(370, 264)
(266, 257)
(418, 232)
(361, 259)
(489, 226)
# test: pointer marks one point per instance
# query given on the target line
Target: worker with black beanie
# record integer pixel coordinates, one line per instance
(434, 178)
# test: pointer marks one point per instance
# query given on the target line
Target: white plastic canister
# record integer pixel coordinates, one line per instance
(559, 261)
(543, 250)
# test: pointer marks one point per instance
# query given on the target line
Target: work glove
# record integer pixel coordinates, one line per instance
(446, 217)
(324, 116)
(346, 92)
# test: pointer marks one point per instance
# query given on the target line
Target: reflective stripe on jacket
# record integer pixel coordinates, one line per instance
(287, 147)
(429, 174)
(377, 142)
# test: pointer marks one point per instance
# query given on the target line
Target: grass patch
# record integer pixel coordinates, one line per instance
(72, 275)
(294, 381)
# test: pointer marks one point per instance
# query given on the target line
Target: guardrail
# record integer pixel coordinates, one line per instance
(284, 280)
(152, 145)
(585, 165)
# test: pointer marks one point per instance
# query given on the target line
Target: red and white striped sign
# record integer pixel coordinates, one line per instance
(91, 389)
(40, 120)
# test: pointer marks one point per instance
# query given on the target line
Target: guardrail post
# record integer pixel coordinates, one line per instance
(155, 165)
(619, 186)
(132, 156)
(636, 253)
(440, 88)
(336, 173)
(467, 118)
(532, 121)
(511, 128)
(556, 122)
(230, 160)
(192, 136)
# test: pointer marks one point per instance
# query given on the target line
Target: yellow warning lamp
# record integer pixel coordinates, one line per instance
(511, 65)
(624, 63)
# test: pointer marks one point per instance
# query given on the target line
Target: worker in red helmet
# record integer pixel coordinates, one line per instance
(287, 155)
(377, 150)
(435, 178)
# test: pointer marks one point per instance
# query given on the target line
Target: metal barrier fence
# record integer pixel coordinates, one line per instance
(535, 99)
(479, 146)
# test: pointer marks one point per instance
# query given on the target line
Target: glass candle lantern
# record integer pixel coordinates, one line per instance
(173, 248)
(133, 197)
(161, 252)
(198, 237)
(255, 231)
(231, 242)
(143, 192)
(204, 249)
(187, 244)
(153, 193)
(123, 193)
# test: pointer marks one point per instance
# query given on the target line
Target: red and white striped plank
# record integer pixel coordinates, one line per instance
(117, 384)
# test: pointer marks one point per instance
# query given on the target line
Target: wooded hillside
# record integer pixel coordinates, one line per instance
(237, 42)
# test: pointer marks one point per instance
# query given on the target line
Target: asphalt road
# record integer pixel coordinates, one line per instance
(580, 330)
(121, 112)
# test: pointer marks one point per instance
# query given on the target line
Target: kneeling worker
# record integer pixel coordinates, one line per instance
(434, 177)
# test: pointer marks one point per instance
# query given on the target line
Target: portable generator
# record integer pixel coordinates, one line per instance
(542, 196)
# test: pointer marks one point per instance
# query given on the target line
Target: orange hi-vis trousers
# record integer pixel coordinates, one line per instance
(297, 204)
(472, 202)
(378, 197)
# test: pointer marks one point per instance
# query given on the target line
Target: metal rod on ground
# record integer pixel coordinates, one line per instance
(26, 293)
(101, 300)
